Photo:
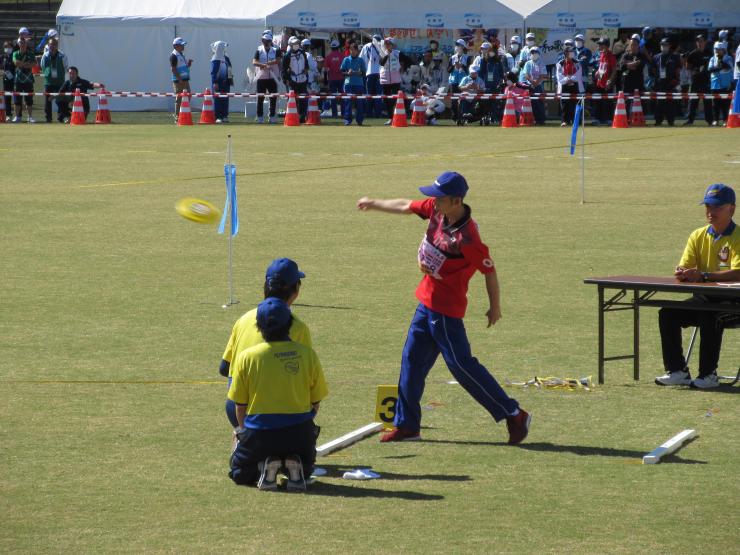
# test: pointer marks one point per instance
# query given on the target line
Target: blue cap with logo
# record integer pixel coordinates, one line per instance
(283, 271)
(272, 314)
(448, 184)
(719, 194)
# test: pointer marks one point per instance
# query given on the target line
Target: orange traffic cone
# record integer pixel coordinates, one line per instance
(314, 115)
(509, 119)
(399, 113)
(291, 113)
(637, 117)
(733, 119)
(78, 112)
(526, 118)
(103, 113)
(207, 115)
(185, 117)
(3, 115)
(419, 115)
(620, 114)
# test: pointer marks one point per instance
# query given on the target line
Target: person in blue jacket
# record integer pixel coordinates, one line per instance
(221, 80)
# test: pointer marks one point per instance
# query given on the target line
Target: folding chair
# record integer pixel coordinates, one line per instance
(727, 322)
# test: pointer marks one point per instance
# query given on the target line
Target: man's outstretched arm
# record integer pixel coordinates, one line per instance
(393, 206)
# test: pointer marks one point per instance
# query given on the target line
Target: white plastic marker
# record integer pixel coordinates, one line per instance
(348, 439)
(361, 474)
(670, 446)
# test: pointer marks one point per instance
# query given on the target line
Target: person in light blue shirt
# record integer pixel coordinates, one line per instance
(353, 68)
(534, 74)
(472, 85)
(457, 73)
(720, 76)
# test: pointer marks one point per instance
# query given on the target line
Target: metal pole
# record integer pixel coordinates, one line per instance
(636, 335)
(601, 335)
(231, 223)
(583, 150)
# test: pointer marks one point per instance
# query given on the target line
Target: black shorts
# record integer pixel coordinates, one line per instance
(26, 88)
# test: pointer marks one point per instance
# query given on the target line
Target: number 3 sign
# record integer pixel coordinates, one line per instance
(385, 405)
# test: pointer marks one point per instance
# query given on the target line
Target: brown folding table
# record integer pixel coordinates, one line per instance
(643, 290)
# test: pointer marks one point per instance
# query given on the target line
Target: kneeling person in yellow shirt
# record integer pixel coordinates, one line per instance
(277, 387)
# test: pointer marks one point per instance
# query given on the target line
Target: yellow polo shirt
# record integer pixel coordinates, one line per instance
(278, 382)
(245, 334)
(708, 252)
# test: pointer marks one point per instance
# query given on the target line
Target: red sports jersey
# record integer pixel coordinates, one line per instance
(453, 253)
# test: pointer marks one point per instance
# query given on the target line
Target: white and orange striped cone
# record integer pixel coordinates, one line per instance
(637, 116)
(185, 117)
(3, 115)
(78, 112)
(102, 115)
(526, 118)
(509, 119)
(207, 114)
(291, 113)
(399, 113)
(620, 114)
(419, 115)
(314, 115)
(733, 119)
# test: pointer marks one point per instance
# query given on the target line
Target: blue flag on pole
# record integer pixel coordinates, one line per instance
(231, 205)
(576, 123)
(736, 102)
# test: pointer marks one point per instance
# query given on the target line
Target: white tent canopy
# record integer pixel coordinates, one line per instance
(126, 45)
(440, 14)
(597, 14)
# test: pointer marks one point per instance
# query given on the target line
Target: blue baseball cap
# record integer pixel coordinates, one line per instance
(448, 184)
(285, 271)
(272, 314)
(719, 194)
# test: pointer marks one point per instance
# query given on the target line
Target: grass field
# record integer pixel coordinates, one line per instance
(112, 432)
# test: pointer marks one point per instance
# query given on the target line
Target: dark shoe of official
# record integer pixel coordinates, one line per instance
(400, 434)
(682, 377)
(518, 426)
(710, 381)
(688, 122)
(268, 473)
(296, 480)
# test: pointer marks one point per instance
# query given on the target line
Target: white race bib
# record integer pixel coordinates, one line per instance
(662, 73)
(53, 73)
(431, 257)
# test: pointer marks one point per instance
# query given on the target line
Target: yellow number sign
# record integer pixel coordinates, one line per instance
(385, 405)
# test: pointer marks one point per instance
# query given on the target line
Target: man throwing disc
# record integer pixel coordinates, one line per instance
(449, 254)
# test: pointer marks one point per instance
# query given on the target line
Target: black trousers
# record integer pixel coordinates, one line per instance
(604, 107)
(722, 106)
(256, 445)
(672, 320)
(266, 86)
(568, 105)
(390, 103)
(49, 99)
(664, 108)
(694, 104)
(301, 88)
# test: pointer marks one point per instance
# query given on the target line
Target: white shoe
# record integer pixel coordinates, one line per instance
(218, 121)
(674, 378)
(17, 119)
(268, 477)
(294, 466)
(709, 381)
(387, 122)
(259, 120)
(31, 120)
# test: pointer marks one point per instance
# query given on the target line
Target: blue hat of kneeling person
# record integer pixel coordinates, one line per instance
(285, 271)
(272, 315)
(448, 184)
(719, 194)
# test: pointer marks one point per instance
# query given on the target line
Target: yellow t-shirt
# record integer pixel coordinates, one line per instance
(712, 254)
(277, 382)
(245, 334)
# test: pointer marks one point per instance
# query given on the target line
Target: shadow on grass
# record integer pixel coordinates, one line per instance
(582, 450)
(341, 490)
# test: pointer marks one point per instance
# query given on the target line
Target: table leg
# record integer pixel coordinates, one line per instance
(601, 334)
(636, 335)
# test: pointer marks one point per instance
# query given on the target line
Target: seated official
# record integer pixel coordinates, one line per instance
(66, 95)
(712, 254)
(277, 387)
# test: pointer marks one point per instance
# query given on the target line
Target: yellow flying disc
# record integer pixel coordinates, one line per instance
(197, 210)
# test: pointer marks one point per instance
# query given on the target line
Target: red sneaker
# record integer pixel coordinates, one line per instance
(518, 426)
(400, 434)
